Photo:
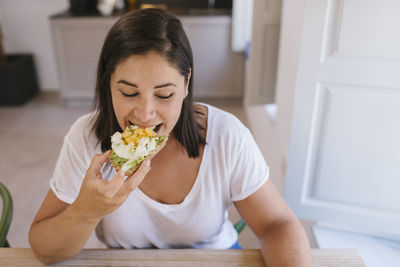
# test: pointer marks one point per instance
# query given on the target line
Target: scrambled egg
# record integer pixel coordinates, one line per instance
(135, 134)
(134, 142)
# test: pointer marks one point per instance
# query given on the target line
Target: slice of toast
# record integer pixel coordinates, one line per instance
(150, 156)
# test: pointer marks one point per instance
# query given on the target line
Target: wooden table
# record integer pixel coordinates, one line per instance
(175, 257)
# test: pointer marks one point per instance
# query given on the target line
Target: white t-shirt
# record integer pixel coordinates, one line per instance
(232, 168)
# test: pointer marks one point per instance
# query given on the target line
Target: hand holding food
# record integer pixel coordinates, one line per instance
(98, 196)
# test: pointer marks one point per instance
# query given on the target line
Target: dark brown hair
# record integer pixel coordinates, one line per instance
(137, 33)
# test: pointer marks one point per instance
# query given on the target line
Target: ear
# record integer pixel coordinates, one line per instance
(187, 83)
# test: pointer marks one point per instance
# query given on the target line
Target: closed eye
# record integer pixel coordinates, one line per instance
(165, 97)
(129, 95)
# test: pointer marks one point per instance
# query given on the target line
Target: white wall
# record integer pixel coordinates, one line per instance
(26, 29)
(272, 134)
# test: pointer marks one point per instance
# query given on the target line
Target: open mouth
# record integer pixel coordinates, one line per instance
(154, 128)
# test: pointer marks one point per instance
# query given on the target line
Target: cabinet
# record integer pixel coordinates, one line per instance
(218, 72)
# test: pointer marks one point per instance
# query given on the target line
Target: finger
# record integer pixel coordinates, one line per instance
(115, 184)
(133, 181)
(98, 162)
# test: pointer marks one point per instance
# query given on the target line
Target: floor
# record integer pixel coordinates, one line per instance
(31, 137)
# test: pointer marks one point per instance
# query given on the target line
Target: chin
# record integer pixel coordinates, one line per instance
(164, 131)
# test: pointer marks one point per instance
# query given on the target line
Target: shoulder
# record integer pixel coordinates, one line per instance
(83, 121)
(222, 124)
(80, 132)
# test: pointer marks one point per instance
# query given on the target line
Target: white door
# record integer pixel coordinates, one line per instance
(344, 154)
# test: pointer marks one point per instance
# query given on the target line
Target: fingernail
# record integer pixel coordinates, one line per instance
(147, 162)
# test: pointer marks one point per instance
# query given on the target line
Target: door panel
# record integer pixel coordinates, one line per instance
(343, 165)
(373, 32)
(349, 153)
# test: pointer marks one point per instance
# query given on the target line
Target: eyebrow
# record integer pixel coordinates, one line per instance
(127, 83)
(155, 87)
(165, 85)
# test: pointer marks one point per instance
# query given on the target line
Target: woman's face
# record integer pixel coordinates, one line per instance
(147, 92)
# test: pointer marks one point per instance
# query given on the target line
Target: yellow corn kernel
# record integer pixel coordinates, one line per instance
(136, 140)
(139, 131)
(127, 133)
(130, 139)
(148, 131)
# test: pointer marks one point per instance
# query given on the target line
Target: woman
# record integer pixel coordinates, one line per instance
(210, 160)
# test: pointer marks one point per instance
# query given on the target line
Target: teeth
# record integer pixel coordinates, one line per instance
(132, 125)
(135, 127)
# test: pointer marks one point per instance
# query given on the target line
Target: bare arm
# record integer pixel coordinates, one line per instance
(283, 239)
(59, 231)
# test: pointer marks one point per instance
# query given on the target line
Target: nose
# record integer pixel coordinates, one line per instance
(145, 110)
